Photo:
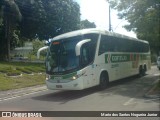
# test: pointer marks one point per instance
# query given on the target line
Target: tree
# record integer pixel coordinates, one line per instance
(30, 19)
(36, 45)
(48, 18)
(10, 16)
(62, 16)
(33, 18)
(144, 19)
(87, 24)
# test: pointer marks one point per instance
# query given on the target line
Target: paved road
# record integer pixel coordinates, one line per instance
(122, 95)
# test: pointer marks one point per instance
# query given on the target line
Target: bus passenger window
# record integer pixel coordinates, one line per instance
(103, 45)
(84, 55)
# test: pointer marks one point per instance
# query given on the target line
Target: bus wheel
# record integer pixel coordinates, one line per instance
(104, 81)
(145, 69)
(141, 71)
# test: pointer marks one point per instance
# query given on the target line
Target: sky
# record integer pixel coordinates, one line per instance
(97, 11)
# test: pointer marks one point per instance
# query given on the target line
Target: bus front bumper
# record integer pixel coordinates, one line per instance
(72, 85)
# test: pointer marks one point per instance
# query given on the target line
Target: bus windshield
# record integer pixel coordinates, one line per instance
(62, 57)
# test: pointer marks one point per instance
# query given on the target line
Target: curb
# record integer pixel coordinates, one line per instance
(148, 95)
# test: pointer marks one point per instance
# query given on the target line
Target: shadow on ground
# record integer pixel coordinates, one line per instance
(133, 87)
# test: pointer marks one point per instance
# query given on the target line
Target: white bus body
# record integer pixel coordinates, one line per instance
(85, 58)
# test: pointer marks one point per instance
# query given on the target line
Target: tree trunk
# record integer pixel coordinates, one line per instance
(7, 37)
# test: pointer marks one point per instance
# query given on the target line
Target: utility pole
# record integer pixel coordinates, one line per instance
(109, 17)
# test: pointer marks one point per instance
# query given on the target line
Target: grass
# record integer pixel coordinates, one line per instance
(8, 69)
(33, 57)
(22, 67)
(8, 83)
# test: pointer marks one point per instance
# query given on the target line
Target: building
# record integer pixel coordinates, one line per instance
(22, 52)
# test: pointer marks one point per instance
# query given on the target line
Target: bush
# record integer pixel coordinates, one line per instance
(30, 69)
(13, 73)
(4, 70)
(41, 70)
(23, 70)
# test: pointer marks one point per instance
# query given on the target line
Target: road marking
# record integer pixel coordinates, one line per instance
(130, 101)
(20, 95)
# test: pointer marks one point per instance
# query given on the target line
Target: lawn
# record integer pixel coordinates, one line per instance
(21, 67)
(15, 75)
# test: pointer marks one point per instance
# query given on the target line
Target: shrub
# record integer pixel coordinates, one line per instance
(31, 69)
(13, 73)
(6, 69)
(23, 70)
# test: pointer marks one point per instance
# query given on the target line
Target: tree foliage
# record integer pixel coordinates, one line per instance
(144, 18)
(32, 19)
(62, 16)
(36, 45)
(87, 24)
(48, 18)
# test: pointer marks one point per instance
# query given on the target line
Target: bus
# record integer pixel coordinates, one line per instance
(92, 57)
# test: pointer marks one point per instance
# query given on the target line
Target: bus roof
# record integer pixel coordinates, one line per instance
(93, 30)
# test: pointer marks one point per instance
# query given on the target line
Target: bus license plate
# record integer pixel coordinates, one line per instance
(58, 86)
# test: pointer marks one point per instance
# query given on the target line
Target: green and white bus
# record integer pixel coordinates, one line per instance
(91, 57)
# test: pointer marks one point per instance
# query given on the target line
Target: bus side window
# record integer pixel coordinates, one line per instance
(108, 43)
(85, 55)
(103, 45)
(114, 44)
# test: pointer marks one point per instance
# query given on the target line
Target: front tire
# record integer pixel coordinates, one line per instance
(104, 81)
(144, 69)
(140, 71)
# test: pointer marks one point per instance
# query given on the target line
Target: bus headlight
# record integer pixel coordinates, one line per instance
(79, 75)
(48, 77)
(74, 77)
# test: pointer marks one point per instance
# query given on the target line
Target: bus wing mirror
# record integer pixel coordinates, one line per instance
(41, 49)
(79, 44)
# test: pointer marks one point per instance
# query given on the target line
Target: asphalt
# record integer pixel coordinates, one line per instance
(151, 93)
(34, 89)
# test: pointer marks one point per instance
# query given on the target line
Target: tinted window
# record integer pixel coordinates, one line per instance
(88, 49)
(115, 44)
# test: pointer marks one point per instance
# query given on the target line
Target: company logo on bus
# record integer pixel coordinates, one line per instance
(119, 58)
(116, 58)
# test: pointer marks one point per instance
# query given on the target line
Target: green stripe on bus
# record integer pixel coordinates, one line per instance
(66, 76)
(69, 75)
(106, 58)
